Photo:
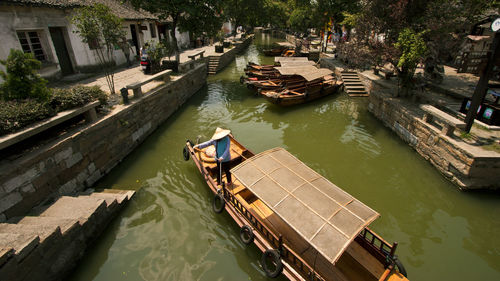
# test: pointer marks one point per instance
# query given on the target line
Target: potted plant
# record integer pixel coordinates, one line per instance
(169, 52)
(156, 53)
(219, 48)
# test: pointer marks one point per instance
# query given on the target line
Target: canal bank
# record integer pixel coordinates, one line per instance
(466, 164)
(169, 231)
(75, 162)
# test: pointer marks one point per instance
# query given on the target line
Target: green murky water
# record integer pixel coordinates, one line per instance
(169, 231)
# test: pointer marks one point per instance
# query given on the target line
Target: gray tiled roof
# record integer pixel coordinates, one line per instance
(124, 11)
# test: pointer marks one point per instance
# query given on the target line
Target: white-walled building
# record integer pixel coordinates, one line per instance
(43, 28)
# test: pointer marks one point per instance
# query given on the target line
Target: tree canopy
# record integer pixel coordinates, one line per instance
(101, 30)
(406, 32)
(188, 15)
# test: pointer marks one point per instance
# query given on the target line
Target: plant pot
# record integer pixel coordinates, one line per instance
(219, 49)
(169, 64)
(226, 44)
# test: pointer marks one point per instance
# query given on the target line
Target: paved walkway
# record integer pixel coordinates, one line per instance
(127, 75)
(461, 84)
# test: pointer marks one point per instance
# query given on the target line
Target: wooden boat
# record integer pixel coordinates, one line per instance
(308, 92)
(262, 74)
(273, 84)
(278, 49)
(319, 83)
(254, 66)
(274, 51)
(267, 77)
(306, 227)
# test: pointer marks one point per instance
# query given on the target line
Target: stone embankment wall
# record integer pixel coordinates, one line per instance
(228, 57)
(463, 167)
(73, 163)
(467, 166)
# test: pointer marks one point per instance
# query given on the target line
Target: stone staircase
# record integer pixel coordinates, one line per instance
(213, 64)
(47, 244)
(353, 85)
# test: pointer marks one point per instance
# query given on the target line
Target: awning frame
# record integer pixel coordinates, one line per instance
(266, 175)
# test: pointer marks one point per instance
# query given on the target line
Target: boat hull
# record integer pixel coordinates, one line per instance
(306, 96)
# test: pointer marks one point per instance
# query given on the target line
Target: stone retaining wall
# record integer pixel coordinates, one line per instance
(228, 57)
(464, 167)
(73, 163)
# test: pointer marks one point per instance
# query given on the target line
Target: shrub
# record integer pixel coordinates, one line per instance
(21, 80)
(63, 99)
(16, 115)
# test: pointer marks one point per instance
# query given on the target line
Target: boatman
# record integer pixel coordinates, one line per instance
(222, 155)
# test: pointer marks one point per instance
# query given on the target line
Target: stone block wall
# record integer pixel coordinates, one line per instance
(228, 57)
(465, 168)
(71, 164)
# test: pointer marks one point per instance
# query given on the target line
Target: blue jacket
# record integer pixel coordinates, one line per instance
(221, 148)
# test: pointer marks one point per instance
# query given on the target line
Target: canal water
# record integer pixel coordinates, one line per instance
(169, 231)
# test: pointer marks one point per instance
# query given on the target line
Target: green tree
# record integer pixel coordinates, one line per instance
(187, 15)
(277, 13)
(389, 29)
(301, 18)
(325, 10)
(102, 31)
(412, 49)
(244, 12)
(21, 79)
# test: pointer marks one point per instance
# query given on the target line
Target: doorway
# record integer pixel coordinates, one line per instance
(134, 38)
(56, 33)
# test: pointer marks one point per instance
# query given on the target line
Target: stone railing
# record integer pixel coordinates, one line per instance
(88, 110)
(72, 163)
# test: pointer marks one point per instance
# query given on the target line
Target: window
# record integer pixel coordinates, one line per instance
(30, 42)
(153, 31)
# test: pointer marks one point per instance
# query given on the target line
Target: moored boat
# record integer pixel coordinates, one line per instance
(306, 227)
(278, 49)
(318, 83)
(274, 51)
(291, 96)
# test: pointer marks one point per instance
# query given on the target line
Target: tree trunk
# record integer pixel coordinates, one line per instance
(176, 47)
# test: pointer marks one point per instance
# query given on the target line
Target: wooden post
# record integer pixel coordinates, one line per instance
(482, 85)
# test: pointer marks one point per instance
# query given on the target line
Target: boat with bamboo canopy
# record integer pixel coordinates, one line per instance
(317, 83)
(306, 227)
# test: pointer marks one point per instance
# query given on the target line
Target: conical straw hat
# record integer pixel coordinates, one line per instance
(220, 133)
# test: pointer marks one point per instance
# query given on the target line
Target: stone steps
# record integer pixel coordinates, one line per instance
(47, 245)
(353, 85)
(213, 64)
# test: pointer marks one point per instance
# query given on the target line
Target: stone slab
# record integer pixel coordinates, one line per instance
(23, 244)
(5, 254)
(74, 207)
(129, 193)
(42, 231)
(65, 225)
(109, 197)
(443, 116)
(10, 139)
